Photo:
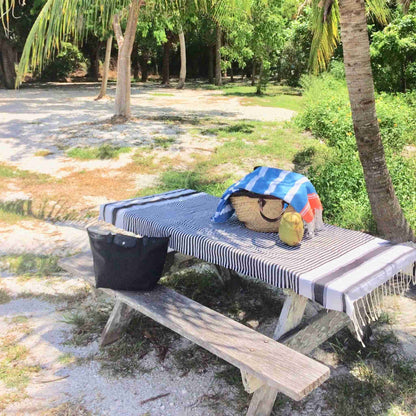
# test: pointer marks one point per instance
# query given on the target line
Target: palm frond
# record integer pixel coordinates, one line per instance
(325, 27)
(60, 21)
(379, 10)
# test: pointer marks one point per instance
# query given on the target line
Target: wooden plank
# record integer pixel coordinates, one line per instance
(120, 318)
(282, 368)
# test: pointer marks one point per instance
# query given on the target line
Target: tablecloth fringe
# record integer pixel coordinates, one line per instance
(369, 308)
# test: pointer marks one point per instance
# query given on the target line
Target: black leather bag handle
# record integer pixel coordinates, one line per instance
(262, 203)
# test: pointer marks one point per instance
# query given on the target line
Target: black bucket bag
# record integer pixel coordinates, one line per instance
(123, 262)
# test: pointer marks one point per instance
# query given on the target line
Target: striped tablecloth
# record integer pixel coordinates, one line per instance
(342, 270)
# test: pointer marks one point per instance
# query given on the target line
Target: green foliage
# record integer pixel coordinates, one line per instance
(68, 60)
(336, 171)
(393, 53)
(294, 56)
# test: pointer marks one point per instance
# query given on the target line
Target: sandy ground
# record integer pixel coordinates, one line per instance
(64, 116)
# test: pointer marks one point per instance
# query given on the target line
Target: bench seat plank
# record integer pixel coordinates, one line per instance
(280, 367)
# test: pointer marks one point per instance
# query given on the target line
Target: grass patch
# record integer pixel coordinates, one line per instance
(162, 94)
(67, 358)
(67, 409)
(14, 371)
(275, 96)
(163, 141)
(7, 171)
(245, 145)
(379, 379)
(4, 297)
(11, 217)
(30, 265)
(88, 320)
(69, 298)
(19, 319)
(104, 151)
(43, 153)
(10, 398)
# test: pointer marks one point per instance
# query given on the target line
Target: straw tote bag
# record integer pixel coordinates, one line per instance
(259, 212)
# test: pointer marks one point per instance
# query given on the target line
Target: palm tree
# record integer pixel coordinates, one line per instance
(351, 14)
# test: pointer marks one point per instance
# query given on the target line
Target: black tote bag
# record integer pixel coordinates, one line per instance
(123, 262)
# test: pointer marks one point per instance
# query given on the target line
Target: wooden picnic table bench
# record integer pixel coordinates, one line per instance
(344, 273)
(267, 366)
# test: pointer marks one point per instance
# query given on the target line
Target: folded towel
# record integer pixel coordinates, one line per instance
(293, 188)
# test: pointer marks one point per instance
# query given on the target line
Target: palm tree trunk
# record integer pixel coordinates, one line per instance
(259, 88)
(253, 73)
(218, 79)
(385, 206)
(182, 73)
(125, 47)
(143, 58)
(106, 68)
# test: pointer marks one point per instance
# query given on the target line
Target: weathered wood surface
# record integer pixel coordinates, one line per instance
(280, 367)
(119, 319)
(321, 327)
(262, 401)
(291, 314)
(290, 317)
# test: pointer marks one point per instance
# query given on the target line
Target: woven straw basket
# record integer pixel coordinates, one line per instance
(259, 212)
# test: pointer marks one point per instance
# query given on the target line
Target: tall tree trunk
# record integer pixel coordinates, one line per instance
(143, 58)
(385, 206)
(92, 50)
(125, 47)
(7, 62)
(259, 89)
(253, 73)
(166, 59)
(135, 60)
(218, 79)
(211, 64)
(106, 68)
(182, 73)
(231, 73)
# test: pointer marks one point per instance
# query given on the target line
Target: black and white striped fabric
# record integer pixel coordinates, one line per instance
(335, 268)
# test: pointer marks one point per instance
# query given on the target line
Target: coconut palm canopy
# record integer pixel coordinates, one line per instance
(325, 27)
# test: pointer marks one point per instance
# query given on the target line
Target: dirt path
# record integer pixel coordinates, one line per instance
(64, 116)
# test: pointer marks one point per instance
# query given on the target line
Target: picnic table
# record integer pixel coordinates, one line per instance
(345, 272)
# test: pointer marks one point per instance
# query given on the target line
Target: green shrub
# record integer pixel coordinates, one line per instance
(335, 169)
(68, 60)
(327, 114)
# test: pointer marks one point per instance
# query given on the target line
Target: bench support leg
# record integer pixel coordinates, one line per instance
(292, 312)
(120, 317)
(262, 402)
